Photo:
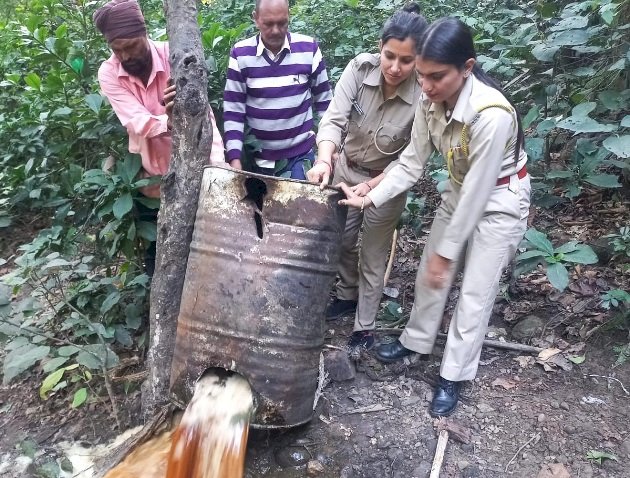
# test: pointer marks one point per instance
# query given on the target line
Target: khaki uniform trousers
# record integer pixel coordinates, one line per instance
(488, 252)
(361, 270)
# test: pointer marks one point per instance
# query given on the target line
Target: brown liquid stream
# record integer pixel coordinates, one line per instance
(209, 442)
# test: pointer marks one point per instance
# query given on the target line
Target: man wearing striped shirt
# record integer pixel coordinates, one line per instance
(274, 80)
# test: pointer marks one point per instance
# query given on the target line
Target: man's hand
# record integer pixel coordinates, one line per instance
(438, 272)
(354, 200)
(236, 164)
(169, 102)
(320, 173)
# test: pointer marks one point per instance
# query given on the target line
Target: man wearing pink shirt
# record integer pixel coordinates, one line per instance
(135, 81)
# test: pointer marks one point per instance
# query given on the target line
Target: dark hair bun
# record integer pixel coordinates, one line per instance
(412, 7)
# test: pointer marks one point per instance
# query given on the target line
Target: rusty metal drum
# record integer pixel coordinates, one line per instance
(263, 257)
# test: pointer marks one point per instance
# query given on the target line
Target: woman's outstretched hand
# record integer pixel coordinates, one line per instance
(353, 199)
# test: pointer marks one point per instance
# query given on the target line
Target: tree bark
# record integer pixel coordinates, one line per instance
(192, 141)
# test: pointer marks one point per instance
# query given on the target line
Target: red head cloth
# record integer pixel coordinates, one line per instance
(120, 19)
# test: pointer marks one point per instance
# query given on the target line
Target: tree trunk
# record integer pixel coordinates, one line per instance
(192, 141)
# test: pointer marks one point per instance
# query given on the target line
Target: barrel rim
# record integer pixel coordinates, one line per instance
(264, 176)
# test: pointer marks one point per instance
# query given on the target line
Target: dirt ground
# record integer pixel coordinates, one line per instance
(527, 419)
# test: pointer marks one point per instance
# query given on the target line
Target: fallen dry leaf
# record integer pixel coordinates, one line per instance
(553, 470)
(547, 353)
(525, 360)
(504, 382)
(551, 358)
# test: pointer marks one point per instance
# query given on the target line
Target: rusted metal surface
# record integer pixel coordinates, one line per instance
(262, 260)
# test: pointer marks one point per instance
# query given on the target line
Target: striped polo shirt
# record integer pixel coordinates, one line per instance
(274, 97)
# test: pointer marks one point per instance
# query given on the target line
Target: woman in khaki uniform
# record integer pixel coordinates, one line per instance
(483, 213)
(369, 122)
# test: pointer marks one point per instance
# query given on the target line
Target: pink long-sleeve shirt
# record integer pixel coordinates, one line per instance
(140, 111)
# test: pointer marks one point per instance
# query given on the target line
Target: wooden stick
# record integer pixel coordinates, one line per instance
(392, 253)
(438, 458)
(537, 435)
(497, 344)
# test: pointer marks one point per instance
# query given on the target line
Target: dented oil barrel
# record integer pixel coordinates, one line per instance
(263, 257)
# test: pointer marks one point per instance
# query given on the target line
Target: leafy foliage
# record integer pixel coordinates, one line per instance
(541, 250)
(620, 241)
(597, 456)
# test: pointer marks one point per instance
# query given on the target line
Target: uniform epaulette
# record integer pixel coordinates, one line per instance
(363, 59)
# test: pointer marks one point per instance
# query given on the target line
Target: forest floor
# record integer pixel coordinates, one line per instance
(564, 414)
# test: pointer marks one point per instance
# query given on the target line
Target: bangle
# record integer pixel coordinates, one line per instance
(368, 185)
(362, 203)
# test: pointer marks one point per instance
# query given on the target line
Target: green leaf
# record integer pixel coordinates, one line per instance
(65, 111)
(133, 317)
(566, 247)
(147, 230)
(530, 254)
(94, 101)
(94, 356)
(568, 38)
(558, 276)
(123, 336)
(54, 364)
(544, 52)
(598, 456)
(603, 180)
(559, 174)
(59, 262)
(122, 205)
(5, 221)
(570, 23)
(67, 350)
(34, 81)
(80, 396)
(20, 360)
(539, 240)
(583, 255)
(625, 122)
(577, 359)
(110, 301)
(608, 12)
(49, 383)
(611, 99)
(583, 109)
(545, 126)
(16, 343)
(5, 294)
(618, 65)
(77, 65)
(531, 116)
(130, 167)
(534, 147)
(62, 30)
(618, 145)
(584, 124)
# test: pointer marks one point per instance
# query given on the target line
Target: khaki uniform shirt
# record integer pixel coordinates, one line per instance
(379, 129)
(492, 137)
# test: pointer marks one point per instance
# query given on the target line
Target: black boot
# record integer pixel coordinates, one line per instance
(392, 352)
(340, 307)
(445, 398)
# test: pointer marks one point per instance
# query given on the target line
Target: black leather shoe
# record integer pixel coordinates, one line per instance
(340, 307)
(445, 398)
(392, 352)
